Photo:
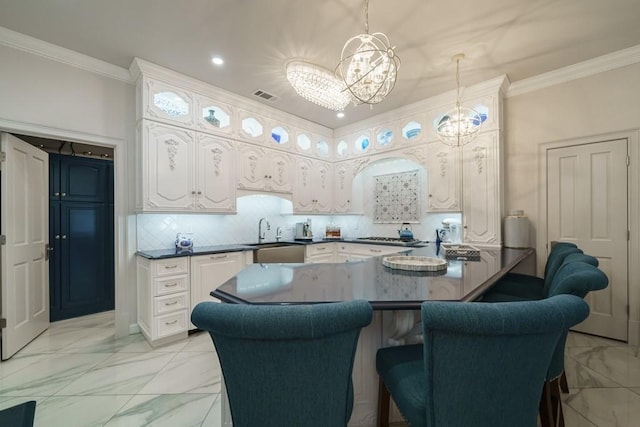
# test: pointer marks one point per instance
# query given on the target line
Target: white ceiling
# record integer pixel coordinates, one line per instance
(520, 38)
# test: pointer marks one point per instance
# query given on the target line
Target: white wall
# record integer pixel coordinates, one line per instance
(47, 98)
(601, 104)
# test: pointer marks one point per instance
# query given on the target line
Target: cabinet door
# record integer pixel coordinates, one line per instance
(481, 190)
(443, 178)
(342, 187)
(303, 197)
(167, 103)
(279, 172)
(169, 173)
(252, 172)
(210, 271)
(215, 178)
(322, 186)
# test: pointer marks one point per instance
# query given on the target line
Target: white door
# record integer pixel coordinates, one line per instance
(24, 261)
(587, 205)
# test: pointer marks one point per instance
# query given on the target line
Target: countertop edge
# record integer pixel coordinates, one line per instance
(206, 250)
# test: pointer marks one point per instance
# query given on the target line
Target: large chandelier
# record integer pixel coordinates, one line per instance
(318, 85)
(460, 125)
(368, 65)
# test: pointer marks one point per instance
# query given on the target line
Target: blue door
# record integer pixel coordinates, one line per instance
(81, 267)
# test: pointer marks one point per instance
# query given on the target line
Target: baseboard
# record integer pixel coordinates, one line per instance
(634, 332)
(134, 329)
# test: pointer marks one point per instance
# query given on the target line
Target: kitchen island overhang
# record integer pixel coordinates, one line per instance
(385, 288)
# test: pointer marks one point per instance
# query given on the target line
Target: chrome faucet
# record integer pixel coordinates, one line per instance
(278, 233)
(261, 233)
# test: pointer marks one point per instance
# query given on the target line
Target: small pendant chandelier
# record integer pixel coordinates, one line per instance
(460, 125)
(368, 65)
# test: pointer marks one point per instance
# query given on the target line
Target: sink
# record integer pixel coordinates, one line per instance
(277, 252)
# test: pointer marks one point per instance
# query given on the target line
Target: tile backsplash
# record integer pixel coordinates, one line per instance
(158, 231)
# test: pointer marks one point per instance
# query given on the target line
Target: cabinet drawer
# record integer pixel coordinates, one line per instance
(319, 249)
(170, 285)
(374, 250)
(171, 266)
(170, 303)
(170, 324)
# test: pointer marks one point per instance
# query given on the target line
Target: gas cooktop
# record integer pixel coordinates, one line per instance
(394, 240)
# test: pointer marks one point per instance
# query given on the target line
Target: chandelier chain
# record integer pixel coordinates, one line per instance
(458, 82)
(366, 16)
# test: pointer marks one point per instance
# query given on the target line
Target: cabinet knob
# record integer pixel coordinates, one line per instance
(199, 192)
(193, 192)
(56, 194)
(430, 195)
(63, 194)
(57, 237)
(64, 237)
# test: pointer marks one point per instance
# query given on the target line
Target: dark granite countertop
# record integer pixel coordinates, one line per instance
(205, 250)
(197, 250)
(383, 287)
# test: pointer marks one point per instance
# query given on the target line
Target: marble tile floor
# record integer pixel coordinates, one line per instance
(81, 375)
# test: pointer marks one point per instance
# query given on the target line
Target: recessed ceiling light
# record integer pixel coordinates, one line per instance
(217, 60)
(340, 114)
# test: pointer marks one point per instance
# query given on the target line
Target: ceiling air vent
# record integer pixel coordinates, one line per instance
(265, 95)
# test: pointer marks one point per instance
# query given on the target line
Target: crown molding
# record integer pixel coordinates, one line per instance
(47, 50)
(601, 64)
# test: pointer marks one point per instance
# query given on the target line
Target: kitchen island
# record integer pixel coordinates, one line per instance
(396, 296)
(383, 287)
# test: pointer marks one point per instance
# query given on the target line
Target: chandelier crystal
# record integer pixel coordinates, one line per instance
(460, 125)
(318, 85)
(368, 65)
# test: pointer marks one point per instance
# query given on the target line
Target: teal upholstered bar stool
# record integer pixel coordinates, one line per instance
(514, 286)
(286, 365)
(573, 278)
(480, 365)
(21, 415)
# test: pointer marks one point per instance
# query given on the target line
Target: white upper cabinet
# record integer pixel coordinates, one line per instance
(481, 190)
(213, 116)
(342, 187)
(313, 188)
(262, 169)
(215, 175)
(443, 178)
(168, 165)
(185, 172)
(167, 103)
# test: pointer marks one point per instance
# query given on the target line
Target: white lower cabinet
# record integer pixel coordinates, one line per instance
(347, 252)
(320, 253)
(163, 298)
(210, 271)
(169, 288)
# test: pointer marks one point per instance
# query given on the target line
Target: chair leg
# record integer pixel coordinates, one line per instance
(546, 408)
(383, 404)
(550, 409)
(564, 386)
(558, 415)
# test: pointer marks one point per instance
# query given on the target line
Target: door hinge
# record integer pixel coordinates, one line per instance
(628, 160)
(628, 235)
(3, 156)
(3, 323)
(3, 239)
